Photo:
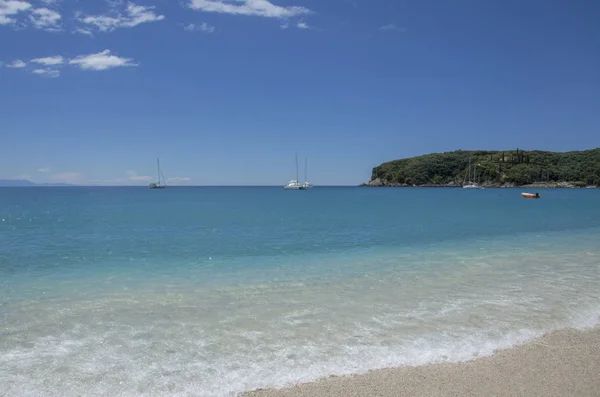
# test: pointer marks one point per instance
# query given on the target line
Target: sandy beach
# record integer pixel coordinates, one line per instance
(563, 363)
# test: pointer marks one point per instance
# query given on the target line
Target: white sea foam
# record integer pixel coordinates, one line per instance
(176, 338)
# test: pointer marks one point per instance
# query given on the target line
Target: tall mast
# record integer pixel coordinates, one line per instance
(158, 169)
(305, 170)
(297, 177)
(469, 169)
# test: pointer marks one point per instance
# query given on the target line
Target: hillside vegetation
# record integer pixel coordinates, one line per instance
(491, 168)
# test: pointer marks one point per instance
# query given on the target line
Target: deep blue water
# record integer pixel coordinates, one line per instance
(57, 227)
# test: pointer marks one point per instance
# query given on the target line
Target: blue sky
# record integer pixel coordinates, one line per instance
(227, 91)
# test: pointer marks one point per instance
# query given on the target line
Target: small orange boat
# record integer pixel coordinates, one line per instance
(531, 195)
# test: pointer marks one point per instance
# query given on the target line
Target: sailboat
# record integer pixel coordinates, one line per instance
(294, 184)
(471, 185)
(306, 183)
(158, 185)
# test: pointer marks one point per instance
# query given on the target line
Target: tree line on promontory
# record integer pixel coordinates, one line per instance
(492, 168)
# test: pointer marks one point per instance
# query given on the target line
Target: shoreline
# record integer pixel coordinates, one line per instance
(560, 363)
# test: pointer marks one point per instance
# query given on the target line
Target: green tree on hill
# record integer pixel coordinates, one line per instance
(493, 167)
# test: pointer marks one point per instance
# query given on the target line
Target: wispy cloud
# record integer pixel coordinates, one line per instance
(390, 27)
(53, 73)
(101, 61)
(132, 176)
(45, 18)
(300, 25)
(43, 169)
(68, 177)
(131, 16)
(203, 27)
(261, 8)
(17, 64)
(108, 182)
(10, 8)
(49, 61)
(140, 178)
(178, 179)
(83, 31)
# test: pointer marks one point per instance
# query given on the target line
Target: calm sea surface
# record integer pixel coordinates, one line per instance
(214, 291)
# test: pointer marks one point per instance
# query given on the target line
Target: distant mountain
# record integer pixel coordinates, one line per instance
(15, 183)
(26, 183)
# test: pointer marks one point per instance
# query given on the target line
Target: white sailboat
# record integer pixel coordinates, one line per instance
(470, 184)
(158, 184)
(294, 184)
(306, 183)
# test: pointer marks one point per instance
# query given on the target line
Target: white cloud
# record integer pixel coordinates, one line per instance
(49, 61)
(17, 63)
(100, 61)
(141, 14)
(102, 22)
(49, 2)
(10, 8)
(47, 72)
(284, 25)
(133, 15)
(204, 27)
(68, 177)
(43, 169)
(262, 8)
(44, 18)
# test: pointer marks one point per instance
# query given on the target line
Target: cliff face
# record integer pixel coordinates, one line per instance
(493, 169)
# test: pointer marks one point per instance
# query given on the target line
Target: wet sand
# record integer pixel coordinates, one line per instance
(563, 363)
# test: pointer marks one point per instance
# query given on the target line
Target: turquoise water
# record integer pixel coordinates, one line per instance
(214, 291)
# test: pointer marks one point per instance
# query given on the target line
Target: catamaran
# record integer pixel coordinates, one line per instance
(306, 183)
(158, 184)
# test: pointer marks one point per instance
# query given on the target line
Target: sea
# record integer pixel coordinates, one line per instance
(213, 291)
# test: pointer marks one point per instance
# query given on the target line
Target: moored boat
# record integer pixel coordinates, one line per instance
(531, 195)
(294, 184)
(159, 185)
